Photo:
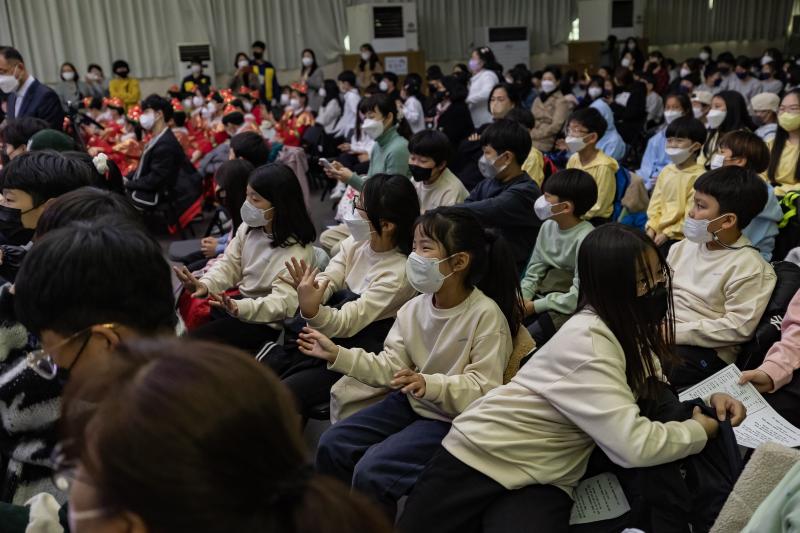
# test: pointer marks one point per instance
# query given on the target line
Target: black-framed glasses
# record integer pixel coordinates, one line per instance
(357, 204)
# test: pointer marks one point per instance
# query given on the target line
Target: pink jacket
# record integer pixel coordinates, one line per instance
(783, 358)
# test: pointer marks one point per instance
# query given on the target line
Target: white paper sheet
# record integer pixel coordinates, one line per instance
(598, 498)
(763, 423)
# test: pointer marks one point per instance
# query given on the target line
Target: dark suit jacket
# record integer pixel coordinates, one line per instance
(40, 102)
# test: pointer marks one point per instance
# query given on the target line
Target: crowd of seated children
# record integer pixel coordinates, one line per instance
(448, 347)
(784, 172)
(721, 284)
(550, 282)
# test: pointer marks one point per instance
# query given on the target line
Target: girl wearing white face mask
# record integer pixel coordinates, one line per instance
(728, 113)
(245, 76)
(389, 155)
(71, 90)
(368, 64)
(550, 111)
(313, 77)
(447, 348)
(357, 297)
(483, 66)
(674, 189)
(297, 117)
(244, 286)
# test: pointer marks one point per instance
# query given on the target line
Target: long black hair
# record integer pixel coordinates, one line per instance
(392, 197)
(781, 136)
(611, 261)
(291, 223)
(331, 91)
(373, 58)
(310, 70)
(459, 230)
(489, 60)
(232, 177)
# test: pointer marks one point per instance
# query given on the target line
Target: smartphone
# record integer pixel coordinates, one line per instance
(325, 163)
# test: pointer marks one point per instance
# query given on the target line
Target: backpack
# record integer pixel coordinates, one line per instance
(768, 331)
(788, 228)
(623, 180)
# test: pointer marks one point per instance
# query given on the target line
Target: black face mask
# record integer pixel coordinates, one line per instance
(10, 220)
(724, 70)
(654, 304)
(438, 96)
(122, 73)
(420, 173)
(258, 55)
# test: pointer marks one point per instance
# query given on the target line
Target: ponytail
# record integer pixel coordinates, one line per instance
(490, 269)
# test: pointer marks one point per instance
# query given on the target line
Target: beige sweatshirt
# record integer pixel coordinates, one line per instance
(378, 277)
(461, 352)
(253, 265)
(719, 295)
(446, 190)
(542, 426)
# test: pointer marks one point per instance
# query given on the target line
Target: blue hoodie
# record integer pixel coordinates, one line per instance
(611, 143)
(763, 229)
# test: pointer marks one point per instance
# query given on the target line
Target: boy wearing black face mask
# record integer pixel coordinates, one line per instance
(721, 284)
(270, 88)
(437, 186)
(123, 87)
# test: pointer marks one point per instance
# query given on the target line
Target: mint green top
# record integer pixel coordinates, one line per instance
(389, 155)
(554, 249)
(780, 511)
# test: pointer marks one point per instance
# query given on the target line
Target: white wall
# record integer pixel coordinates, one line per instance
(595, 20)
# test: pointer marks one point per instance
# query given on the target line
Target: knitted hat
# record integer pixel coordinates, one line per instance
(51, 140)
(766, 102)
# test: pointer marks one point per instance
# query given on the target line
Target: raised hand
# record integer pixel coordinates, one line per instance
(190, 282)
(310, 292)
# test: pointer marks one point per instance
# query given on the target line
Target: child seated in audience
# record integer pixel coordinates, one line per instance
(276, 228)
(674, 189)
(504, 199)
(356, 298)
(584, 128)
(550, 282)
(784, 171)
(436, 185)
(777, 377)
(744, 149)
(224, 452)
(655, 155)
(721, 284)
(515, 455)
(447, 348)
(68, 300)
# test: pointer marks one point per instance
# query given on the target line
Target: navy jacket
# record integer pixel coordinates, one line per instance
(508, 208)
(40, 102)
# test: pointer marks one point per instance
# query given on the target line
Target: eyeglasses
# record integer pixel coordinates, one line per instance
(646, 284)
(42, 362)
(576, 133)
(358, 204)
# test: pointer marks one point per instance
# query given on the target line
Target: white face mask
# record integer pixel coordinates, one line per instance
(548, 86)
(187, 103)
(544, 209)
(243, 63)
(212, 108)
(359, 228)
(295, 103)
(307, 61)
(487, 168)
(372, 128)
(68, 75)
(626, 62)
(697, 112)
(717, 161)
(365, 56)
(196, 69)
(92, 76)
(253, 216)
(248, 106)
(669, 116)
(423, 273)
(322, 93)
(284, 99)
(715, 117)
(197, 101)
(703, 56)
(383, 86)
(575, 144)
(678, 155)
(147, 120)
(8, 83)
(697, 230)
(595, 92)
(685, 72)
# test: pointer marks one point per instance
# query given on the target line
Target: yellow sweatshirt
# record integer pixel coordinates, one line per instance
(719, 295)
(542, 426)
(253, 265)
(603, 169)
(461, 352)
(784, 174)
(126, 89)
(534, 166)
(671, 200)
(378, 277)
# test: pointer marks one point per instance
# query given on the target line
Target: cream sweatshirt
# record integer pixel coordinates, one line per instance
(253, 265)
(461, 352)
(378, 277)
(719, 295)
(446, 190)
(542, 426)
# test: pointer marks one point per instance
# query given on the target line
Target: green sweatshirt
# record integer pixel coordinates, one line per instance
(554, 249)
(389, 155)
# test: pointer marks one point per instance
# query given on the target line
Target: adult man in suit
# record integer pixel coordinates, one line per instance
(27, 96)
(164, 173)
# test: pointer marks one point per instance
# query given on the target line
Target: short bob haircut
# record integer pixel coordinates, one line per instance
(573, 185)
(394, 199)
(291, 223)
(46, 174)
(737, 190)
(431, 143)
(506, 135)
